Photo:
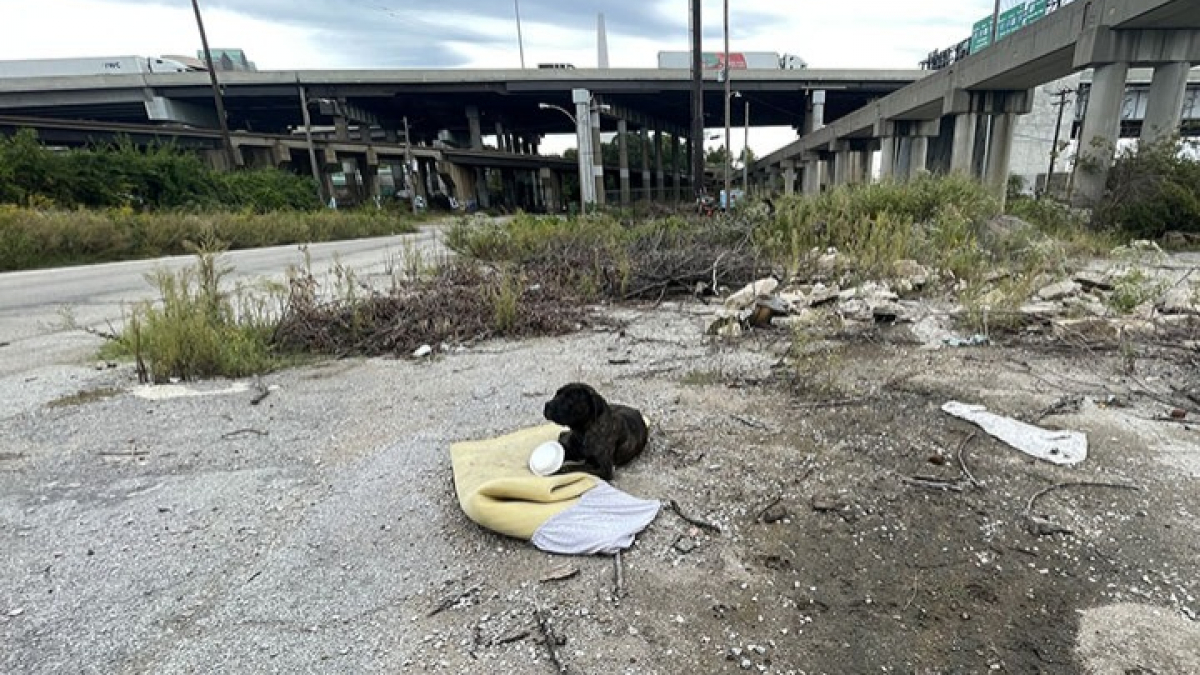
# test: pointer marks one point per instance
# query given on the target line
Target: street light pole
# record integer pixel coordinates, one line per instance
(697, 139)
(746, 149)
(728, 103)
(230, 155)
(520, 39)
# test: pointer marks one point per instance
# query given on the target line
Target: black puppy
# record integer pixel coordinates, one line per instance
(601, 435)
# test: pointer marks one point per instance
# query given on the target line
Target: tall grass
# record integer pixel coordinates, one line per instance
(33, 238)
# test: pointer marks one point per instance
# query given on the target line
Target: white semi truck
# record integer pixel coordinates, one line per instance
(101, 65)
(737, 61)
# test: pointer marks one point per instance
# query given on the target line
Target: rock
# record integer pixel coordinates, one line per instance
(889, 312)
(745, 298)
(1093, 280)
(822, 295)
(560, 573)
(774, 514)
(829, 263)
(1180, 240)
(856, 310)
(422, 352)
(1002, 229)
(825, 503)
(877, 292)
(1059, 290)
(746, 664)
(765, 309)
(795, 301)
(1042, 310)
(1178, 300)
(685, 545)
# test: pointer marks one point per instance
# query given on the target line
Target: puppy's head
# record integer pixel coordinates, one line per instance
(575, 405)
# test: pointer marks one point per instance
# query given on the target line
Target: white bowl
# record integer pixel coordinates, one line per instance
(546, 458)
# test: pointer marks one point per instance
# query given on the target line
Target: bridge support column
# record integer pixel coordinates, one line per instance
(815, 120)
(812, 174)
(842, 158)
(676, 176)
(962, 156)
(660, 184)
(918, 148)
(598, 159)
(623, 148)
(1164, 109)
(341, 128)
(551, 190)
(475, 127)
(1101, 128)
(647, 191)
(789, 178)
(885, 133)
(1000, 154)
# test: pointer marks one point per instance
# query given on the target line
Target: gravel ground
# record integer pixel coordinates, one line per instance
(317, 531)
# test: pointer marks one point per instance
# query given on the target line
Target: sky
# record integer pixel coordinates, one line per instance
(317, 34)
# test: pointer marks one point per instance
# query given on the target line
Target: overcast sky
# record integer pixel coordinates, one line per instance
(286, 34)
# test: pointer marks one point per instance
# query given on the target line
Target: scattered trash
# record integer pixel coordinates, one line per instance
(162, 392)
(1056, 447)
(422, 352)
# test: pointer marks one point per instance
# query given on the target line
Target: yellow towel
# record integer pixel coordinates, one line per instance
(497, 490)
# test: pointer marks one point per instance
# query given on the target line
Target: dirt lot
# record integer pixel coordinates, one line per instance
(318, 532)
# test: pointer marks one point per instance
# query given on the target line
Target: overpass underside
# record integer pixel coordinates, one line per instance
(962, 119)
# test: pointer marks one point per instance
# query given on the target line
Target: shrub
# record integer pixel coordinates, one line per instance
(1152, 190)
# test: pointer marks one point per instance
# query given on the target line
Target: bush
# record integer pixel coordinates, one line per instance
(932, 220)
(1152, 190)
(154, 178)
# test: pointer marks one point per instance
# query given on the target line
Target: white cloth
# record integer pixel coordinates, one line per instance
(604, 521)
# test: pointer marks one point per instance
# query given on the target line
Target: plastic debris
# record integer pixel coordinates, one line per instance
(1056, 447)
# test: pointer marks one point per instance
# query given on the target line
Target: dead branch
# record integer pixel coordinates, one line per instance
(962, 464)
(694, 521)
(618, 578)
(933, 483)
(127, 453)
(763, 511)
(240, 432)
(261, 391)
(1043, 526)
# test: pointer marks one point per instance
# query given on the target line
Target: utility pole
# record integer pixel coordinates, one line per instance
(1061, 104)
(996, 22)
(697, 139)
(312, 151)
(746, 148)
(408, 167)
(230, 154)
(728, 104)
(520, 39)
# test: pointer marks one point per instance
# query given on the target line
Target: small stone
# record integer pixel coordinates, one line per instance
(685, 545)
(1059, 290)
(746, 664)
(774, 514)
(1178, 414)
(1178, 301)
(16, 612)
(822, 295)
(824, 503)
(1041, 310)
(1092, 280)
(745, 298)
(422, 352)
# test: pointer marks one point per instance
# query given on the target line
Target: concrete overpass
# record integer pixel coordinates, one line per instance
(961, 118)
(458, 108)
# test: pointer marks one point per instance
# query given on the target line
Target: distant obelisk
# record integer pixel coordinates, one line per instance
(601, 42)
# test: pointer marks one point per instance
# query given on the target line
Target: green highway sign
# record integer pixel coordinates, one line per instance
(1009, 22)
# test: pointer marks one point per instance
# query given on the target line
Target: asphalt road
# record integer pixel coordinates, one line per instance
(35, 305)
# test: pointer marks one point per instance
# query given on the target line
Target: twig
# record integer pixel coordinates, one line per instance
(550, 639)
(619, 578)
(932, 483)
(763, 511)
(832, 404)
(1059, 486)
(752, 423)
(962, 464)
(129, 453)
(261, 392)
(515, 637)
(694, 521)
(239, 432)
(452, 600)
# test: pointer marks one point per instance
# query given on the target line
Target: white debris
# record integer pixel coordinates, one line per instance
(1057, 447)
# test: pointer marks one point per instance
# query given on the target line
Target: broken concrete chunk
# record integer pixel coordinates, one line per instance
(890, 312)
(856, 310)
(1059, 290)
(1093, 280)
(1178, 300)
(727, 326)
(912, 272)
(1042, 310)
(1091, 330)
(745, 298)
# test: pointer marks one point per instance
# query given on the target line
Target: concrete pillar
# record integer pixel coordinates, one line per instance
(812, 175)
(1000, 154)
(1165, 106)
(962, 156)
(598, 158)
(1101, 127)
(918, 157)
(815, 120)
(647, 184)
(842, 158)
(476, 128)
(420, 178)
(341, 128)
(551, 190)
(887, 158)
(676, 176)
(623, 149)
(483, 194)
(789, 178)
(660, 183)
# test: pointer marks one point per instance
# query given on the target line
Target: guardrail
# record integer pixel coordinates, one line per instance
(1007, 22)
